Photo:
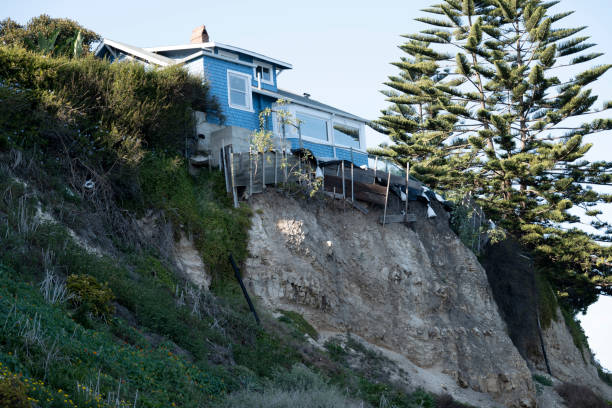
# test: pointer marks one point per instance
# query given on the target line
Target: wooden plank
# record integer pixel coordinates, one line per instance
(386, 199)
(370, 193)
(397, 218)
(250, 172)
(234, 191)
(226, 170)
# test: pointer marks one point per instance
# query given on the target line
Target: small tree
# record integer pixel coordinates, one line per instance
(51, 36)
(481, 106)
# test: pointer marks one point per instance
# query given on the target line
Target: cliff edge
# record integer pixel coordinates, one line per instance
(415, 291)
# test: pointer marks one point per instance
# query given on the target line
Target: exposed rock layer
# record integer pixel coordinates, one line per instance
(417, 291)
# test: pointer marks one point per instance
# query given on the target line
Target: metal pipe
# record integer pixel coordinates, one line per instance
(244, 291)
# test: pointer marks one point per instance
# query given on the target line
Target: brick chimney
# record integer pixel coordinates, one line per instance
(199, 35)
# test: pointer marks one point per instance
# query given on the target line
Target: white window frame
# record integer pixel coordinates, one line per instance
(249, 96)
(319, 115)
(263, 65)
(347, 123)
(227, 54)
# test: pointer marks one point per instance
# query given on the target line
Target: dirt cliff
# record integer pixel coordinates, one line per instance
(414, 291)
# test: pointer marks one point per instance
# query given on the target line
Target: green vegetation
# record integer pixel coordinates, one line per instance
(13, 393)
(298, 388)
(604, 375)
(110, 111)
(50, 36)
(542, 379)
(200, 206)
(297, 320)
(547, 301)
(93, 297)
(489, 101)
(573, 325)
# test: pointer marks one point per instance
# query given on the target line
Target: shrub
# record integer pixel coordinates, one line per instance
(12, 33)
(575, 329)
(13, 394)
(547, 301)
(542, 379)
(579, 396)
(91, 296)
(201, 206)
(299, 378)
(604, 375)
(298, 388)
(446, 401)
(297, 320)
(118, 108)
(335, 350)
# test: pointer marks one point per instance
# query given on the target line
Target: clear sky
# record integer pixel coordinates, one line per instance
(340, 51)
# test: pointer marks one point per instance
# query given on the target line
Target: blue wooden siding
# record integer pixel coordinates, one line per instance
(249, 59)
(327, 151)
(359, 159)
(215, 71)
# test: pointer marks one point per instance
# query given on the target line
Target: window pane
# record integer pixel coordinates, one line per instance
(346, 135)
(312, 126)
(238, 98)
(238, 83)
(265, 74)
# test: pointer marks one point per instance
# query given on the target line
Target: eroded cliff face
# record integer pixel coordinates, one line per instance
(567, 362)
(415, 291)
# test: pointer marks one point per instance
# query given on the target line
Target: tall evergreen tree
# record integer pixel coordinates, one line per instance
(491, 99)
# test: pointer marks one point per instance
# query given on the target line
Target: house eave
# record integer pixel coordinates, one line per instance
(278, 63)
(326, 109)
(136, 51)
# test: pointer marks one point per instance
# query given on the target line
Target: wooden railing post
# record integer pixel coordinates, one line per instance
(386, 199)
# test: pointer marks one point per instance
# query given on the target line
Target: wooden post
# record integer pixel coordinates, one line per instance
(250, 172)
(407, 181)
(343, 189)
(352, 185)
(234, 191)
(210, 163)
(275, 168)
(386, 199)
(284, 154)
(375, 167)
(323, 181)
(226, 172)
(300, 136)
(352, 161)
(263, 171)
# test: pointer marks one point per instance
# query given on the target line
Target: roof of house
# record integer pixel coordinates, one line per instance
(212, 44)
(136, 51)
(309, 102)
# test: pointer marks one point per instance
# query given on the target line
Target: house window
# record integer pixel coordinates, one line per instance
(312, 126)
(264, 71)
(346, 136)
(239, 90)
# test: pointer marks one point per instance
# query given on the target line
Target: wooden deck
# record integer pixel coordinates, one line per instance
(253, 172)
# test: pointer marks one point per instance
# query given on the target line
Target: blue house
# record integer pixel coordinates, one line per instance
(245, 83)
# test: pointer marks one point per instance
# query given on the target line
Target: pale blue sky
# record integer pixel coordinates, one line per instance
(340, 51)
